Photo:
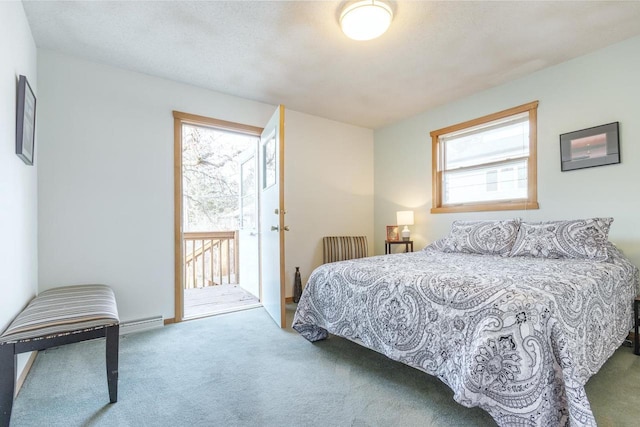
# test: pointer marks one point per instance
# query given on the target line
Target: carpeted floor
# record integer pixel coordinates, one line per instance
(239, 369)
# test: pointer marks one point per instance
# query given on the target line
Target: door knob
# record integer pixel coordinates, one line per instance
(286, 228)
(274, 228)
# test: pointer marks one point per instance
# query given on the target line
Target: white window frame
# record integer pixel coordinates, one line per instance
(531, 200)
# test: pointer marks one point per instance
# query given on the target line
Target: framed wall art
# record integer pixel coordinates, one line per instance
(596, 146)
(392, 233)
(25, 121)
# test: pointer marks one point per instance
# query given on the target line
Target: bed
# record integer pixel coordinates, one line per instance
(514, 317)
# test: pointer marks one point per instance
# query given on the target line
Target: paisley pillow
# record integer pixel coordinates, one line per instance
(576, 239)
(481, 237)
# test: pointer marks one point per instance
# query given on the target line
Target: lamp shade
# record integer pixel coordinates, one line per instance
(366, 19)
(404, 217)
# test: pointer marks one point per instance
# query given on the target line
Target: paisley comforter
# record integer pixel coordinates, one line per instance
(516, 336)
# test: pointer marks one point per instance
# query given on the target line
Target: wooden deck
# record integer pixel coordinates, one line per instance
(217, 299)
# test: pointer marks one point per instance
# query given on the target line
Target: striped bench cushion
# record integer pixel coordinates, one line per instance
(60, 311)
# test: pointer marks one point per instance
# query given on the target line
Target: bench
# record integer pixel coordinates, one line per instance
(55, 317)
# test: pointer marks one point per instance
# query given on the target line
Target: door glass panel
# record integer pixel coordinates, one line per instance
(269, 158)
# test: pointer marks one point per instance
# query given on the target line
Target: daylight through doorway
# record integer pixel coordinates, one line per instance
(219, 221)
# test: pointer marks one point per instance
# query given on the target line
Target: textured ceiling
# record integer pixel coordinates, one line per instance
(294, 53)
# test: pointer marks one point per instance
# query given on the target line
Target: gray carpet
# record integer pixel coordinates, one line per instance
(239, 369)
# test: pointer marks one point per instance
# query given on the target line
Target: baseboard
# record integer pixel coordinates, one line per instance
(141, 325)
(25, 371)
(169, 321)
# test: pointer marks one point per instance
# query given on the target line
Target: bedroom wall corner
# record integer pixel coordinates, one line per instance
(106, 176)
(587, 91)
(328, 188)
(18, 182)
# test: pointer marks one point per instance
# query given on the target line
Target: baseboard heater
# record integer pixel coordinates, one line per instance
(141, 325)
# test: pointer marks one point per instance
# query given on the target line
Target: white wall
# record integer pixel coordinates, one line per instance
(18, 182)
(328, 188)
(595, 89)
(106, 178)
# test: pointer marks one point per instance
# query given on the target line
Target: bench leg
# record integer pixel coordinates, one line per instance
(113, 337)
(8, 366)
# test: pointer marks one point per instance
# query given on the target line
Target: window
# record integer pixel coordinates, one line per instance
(486, 164)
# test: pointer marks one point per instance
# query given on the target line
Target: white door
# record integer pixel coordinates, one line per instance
(272, 228)
(248, 249)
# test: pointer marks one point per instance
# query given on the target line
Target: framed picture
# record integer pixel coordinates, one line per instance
(590, 147)
(25, 121)
(392, 233)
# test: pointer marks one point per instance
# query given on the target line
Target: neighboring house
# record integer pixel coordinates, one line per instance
(98, 203)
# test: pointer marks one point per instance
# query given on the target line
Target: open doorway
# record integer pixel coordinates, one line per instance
(219, 217)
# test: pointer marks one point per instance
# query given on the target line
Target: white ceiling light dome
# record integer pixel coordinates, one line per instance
(366, 19)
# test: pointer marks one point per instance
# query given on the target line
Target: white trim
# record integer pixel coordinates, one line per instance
(141, 325)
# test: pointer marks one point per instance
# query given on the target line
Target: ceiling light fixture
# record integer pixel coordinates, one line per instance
(366, 20)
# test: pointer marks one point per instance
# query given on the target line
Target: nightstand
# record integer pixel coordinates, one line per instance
(406, 243)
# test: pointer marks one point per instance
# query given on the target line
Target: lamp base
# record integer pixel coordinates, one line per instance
(405, 233)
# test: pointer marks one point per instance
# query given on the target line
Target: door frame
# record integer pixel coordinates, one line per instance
(180, 118)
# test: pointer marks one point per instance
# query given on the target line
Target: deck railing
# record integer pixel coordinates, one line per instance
(211, 258)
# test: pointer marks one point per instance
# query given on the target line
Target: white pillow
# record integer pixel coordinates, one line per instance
(576, 239)
(481, 237)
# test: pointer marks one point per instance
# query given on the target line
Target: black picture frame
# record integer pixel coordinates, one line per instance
(586, 148)
(25, 121)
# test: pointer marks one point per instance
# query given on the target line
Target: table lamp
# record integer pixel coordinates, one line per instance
(405, 218)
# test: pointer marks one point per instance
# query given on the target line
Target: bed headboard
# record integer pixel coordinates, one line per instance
(340, 248)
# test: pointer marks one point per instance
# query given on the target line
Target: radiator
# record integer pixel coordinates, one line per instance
(141, 325)
(341, 248)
